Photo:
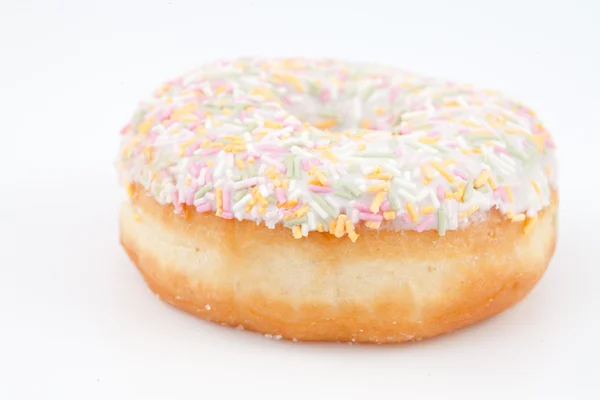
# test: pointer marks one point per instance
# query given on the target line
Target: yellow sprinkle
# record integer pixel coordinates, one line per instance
(377, 202)
(509, 194)
(492, 183)
(479, 182)
(137, 217)
(285, 184)
(380, 177)
(219, 212)
(537, 188)
(288, 204)
(149, 153)
(297, 231)
(427, 210)
(301, 212)
(529, 223)
(219, 195)
(326, 124)
(210, 163)
(429, 140)
(187, 143)
(320, 228)
(340, 225)
(362, 147)
(443, 172)
(240, 164)
(330, 155)
(322, 178)
(365, 124)
(458, 194)
(353, 236)
(548, 169)
(410, 207)
(379, 111)
(145, 126)
(373, 224)
(449, 161)
(379, 187)
(332, 227)
(518, 217)
(389, 215)
(426, 172)
(250, 159)
(539, 142)
(262, 210)
(469, 212)
(469, 123)
(227, 111)
(349, 226)
(273, 124)
(188, 181)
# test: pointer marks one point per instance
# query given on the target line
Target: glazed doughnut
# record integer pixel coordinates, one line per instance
(333, 201)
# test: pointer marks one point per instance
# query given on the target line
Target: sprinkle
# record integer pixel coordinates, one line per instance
(379, 187)
(479, 182)
(353, 236)
(425, 222)
(468, 193)
(518, 217)
(389, 215)
(427, 210)
(410, 208)
(529, 223)
(509, 194)
(377, 202)
(373, 224)
(295, 221)
(297, 232)
(443, 172)
(369, 217)
(219, 198)
(340, 226)
(441, 222)
(320, 189)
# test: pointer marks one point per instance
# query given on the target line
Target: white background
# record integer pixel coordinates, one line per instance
(76, 319)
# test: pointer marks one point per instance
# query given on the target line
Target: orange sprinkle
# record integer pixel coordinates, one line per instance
(273, 124)
(377, 202)
(365, 124)
(373, 224)
(301, 212)
(353, 236)
(379, 187)
(529, 223)
(518, 217)
(509, 194)
(480, 181)
(130, 190)
(322, 178)
(443, 172)
(389, 215)
(288, 204)
(219, 195)
(381, 177)
(240, 164)
(297, 231)
(326, 124)
(320, 228)
(349, 226)
(427, 210)
(332, 227)
(250, 159)
(410, 207)
(429, 140)
(340, 225)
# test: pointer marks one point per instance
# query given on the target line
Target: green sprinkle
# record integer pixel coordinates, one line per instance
(297, 168)
(441, 222)
(352, 188)
(203, 190)
(468, 190)
(237, 196)
(394, 202)
(345, 195)
(324, 205)
(244, 175)
(296, 221)
(369, 92)
(289, 166)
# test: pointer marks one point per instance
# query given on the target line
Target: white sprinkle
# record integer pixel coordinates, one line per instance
(241, 203)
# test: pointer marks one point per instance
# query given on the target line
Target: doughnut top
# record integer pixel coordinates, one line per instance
(321, 145)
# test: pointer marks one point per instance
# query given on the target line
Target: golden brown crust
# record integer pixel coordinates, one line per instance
(386, 287)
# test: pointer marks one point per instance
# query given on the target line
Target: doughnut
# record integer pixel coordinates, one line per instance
(322, 200)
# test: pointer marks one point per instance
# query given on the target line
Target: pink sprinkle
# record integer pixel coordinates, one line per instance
(394, 93)
(204, 207)
(242, 115)
(227, 215)
(286, 100)
(433, 134)
(226, 200)
(271, 148)
(463, 131)
(191, 149)
(398, 152)
(452, 145)
(385, 206)
(404, 131)
(176, 202)
(305, 164)
(369, 217)
(440, 193)
(461, 174)
(501, 150)
(191, 193)
(320, 189)
(125, 128)
(500, 192)
(211, 136)
(316, 161)
(280, 194)
(207, 152)
(362, 207)
(325, 95)
(193, 126)
(405, 218)
(424, 223)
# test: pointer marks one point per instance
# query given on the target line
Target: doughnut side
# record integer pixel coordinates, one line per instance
(387, 287)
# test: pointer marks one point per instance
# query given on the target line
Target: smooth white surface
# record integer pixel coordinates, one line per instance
(76, 319)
